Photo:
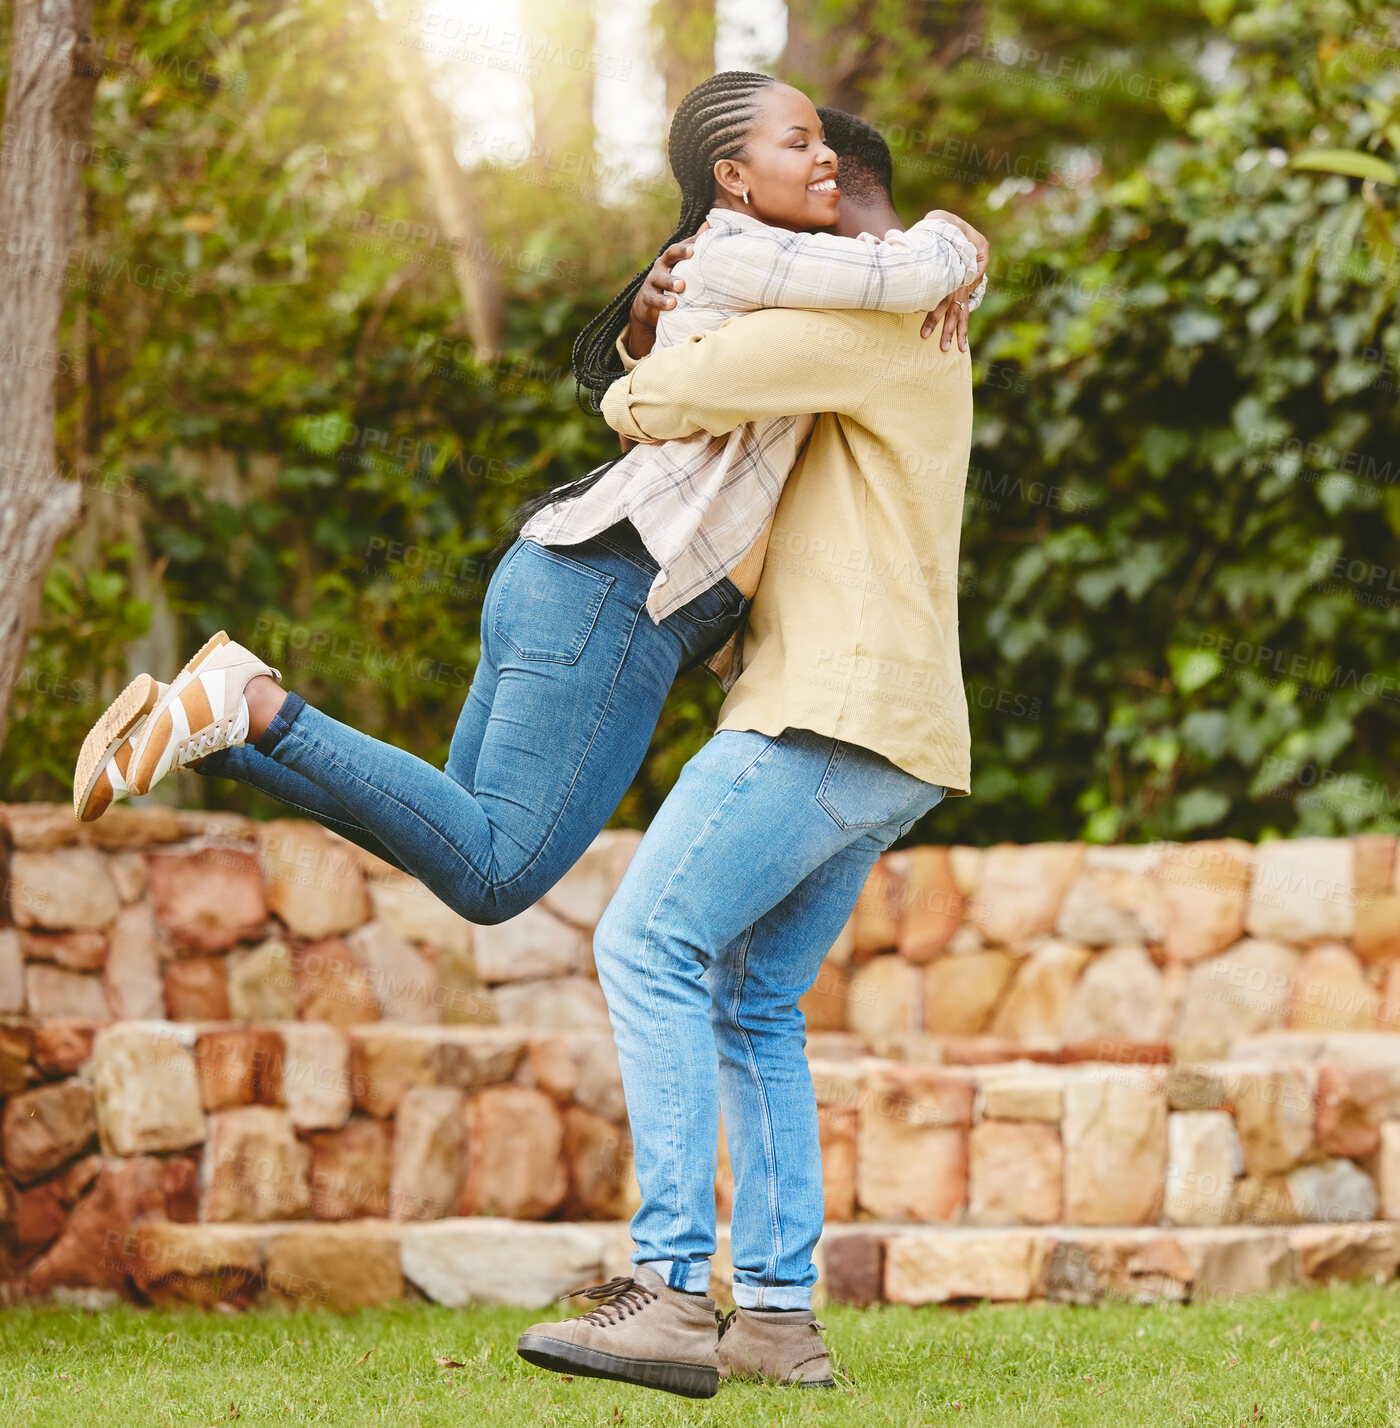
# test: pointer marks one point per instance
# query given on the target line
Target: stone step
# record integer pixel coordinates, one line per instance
(480, 1261)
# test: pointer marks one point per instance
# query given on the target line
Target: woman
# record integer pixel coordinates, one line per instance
(573, 668)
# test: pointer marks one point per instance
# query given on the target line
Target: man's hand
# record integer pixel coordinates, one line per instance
(654, 296)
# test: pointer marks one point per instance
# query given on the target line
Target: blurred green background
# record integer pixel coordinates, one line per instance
(1180, 601)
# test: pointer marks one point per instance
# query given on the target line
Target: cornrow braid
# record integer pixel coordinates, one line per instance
(711, 123)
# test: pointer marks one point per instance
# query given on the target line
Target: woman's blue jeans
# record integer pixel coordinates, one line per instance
(559, 716)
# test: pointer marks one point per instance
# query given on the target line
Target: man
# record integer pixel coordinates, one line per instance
(847, 723)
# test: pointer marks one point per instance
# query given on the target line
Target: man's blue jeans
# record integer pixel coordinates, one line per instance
(561, 710)
(737, 892)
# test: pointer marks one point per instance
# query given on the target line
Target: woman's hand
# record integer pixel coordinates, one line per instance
(952, 313)
(978, 241)
(656, 295)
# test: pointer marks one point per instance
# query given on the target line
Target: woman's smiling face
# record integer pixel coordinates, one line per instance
(787, 169)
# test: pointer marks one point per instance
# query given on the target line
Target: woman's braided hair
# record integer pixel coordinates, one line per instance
(712, 122)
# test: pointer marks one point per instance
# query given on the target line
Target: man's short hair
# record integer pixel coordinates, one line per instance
(866, 170)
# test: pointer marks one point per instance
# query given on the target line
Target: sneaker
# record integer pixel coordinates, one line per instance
(203, 711)
(775, 1346)
(100, 778)
(643, 1332)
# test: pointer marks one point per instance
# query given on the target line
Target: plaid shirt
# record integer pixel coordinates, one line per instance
(700, 504)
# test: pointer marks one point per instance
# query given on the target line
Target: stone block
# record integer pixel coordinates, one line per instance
(885, 999)
(1331, 992)
(403, 981)
(385, 1060)
(1015, 1173)
(146, 1090)
(911, 1147)
(939, 1266)
(98, 1248)
(262, 983)
(1144, 1266)
(1203, 1159)
(1115, 1144)
(1038, 998)
(132, 973)
(239, 1066)
(11, 972)
(824, 1004)
(1203, 886)
(207, 1266)
(1352, 1102)
(314, 881)
(128, 875)
(1388, 1170)
(315, 1075)
(53, 992)
(62, 1047)
(880, 907)
(1020, 890)
(459, 1262)
(532, 945)
(255, 1168)
(350, 1169)
(427, 1174)
(1274, 1110)
(66, 888)
(1376, 937)
(836, 1126)
(46, 1126)
(471, 1059)
(554, 1004)
(1233, 1261)
(1302, 891)
(1335, 1192)
(207, 898)
(78, 951)
(1022, 1094)
(933, 907)
(1348, 1252)
(598, 1077)
(16, 1047)
(580, 896)
(403, 904)
(332, 986)
(196, 989)
(853, 1267)
(1107, 907)
(340, 1267)
(602, 1182)
(515, 1154)
(961, 994)
(1245, 990)
(1121, 994)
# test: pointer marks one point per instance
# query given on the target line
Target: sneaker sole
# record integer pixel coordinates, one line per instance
(123, 714)
(560, 1356)
(121, 717)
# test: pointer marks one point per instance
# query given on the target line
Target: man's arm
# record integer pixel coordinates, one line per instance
(777, 362)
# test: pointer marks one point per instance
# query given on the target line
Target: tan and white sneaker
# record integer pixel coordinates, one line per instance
(202, 711)
(100, 778)
(642, 1332)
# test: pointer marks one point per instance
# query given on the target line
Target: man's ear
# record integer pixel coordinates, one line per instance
(730, 179)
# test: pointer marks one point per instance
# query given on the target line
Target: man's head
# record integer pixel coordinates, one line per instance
(866, 172)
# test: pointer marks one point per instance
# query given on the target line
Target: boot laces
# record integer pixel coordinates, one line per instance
(620, 1297)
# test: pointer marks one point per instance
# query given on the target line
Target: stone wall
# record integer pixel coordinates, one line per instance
(232, 1052)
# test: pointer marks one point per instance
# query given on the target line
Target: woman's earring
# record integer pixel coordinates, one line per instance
(746, 195)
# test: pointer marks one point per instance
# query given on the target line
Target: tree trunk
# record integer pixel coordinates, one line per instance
(685, 45)
(430, 128)
(48, 117)
(561, 80)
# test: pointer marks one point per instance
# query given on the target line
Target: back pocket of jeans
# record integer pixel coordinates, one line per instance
(862, 789)
(546, 604)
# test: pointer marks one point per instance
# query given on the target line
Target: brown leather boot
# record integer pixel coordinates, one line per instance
(642, 1332)
(782, 1346)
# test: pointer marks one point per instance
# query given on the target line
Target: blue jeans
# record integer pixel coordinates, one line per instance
(738, 890)
(561, 709)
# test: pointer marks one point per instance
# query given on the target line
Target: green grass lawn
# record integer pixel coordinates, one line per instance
(1314, 1358)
